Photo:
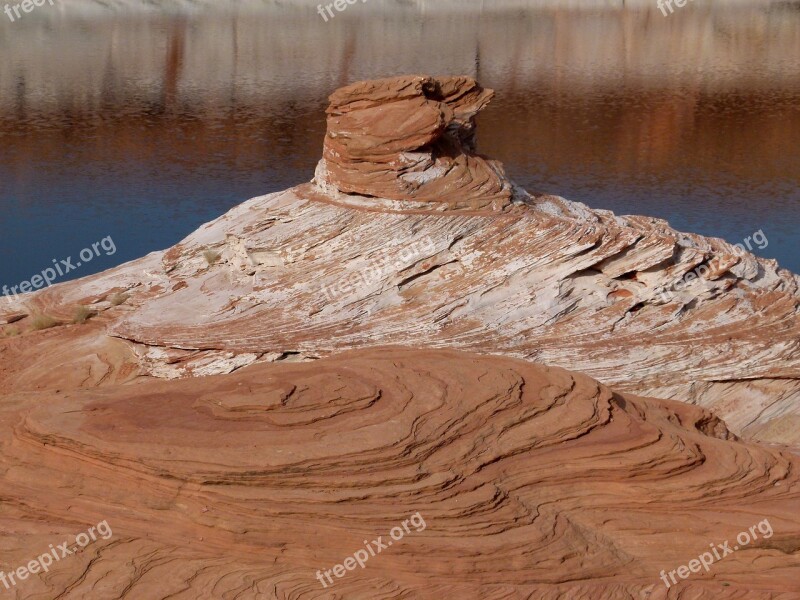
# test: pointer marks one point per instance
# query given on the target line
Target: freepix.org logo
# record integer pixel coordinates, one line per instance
(26, 6)
(60, 268)
(42, 563)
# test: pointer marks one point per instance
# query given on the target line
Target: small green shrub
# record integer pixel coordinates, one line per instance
(42, 322)
(82, 314)
(118, 298)
(211, 256)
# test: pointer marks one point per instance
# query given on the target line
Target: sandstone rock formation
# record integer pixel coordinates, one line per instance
(329, 265)
(532, 482)
(411, 140)
(226, 471)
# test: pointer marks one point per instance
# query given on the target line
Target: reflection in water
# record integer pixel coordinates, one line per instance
(142, 127)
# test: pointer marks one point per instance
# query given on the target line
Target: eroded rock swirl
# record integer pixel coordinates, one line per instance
(305, 274)
(251, 405)
(407, 236)
(533, 482)
(411, 140)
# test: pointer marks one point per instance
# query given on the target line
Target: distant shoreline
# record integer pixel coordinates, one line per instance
(400, 6)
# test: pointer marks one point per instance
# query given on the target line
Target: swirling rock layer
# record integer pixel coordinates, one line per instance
(532, 482)
(411, 139)
(302, 276)
(176, 413)
(440, 251)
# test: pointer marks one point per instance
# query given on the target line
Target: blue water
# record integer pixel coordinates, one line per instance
(143, 128)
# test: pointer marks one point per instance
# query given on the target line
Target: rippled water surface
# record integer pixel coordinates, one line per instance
(142, 127)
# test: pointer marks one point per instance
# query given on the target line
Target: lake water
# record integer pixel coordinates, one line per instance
(143, 126)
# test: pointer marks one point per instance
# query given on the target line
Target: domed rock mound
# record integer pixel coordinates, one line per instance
(407, 237)
(388, 474)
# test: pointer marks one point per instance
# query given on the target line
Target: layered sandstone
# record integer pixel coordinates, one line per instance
(443, 251)
(532, 482)
(225, 470)
(411, 140)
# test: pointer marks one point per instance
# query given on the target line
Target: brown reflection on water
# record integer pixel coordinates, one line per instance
(749, 134)
(621, 108)
(654, 89)
(174, 61)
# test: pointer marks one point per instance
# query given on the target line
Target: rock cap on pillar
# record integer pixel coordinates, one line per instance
(411, 140)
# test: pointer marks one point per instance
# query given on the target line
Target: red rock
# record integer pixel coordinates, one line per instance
(311, 271)
(13, 317)
(411, 139)
(532, 482)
